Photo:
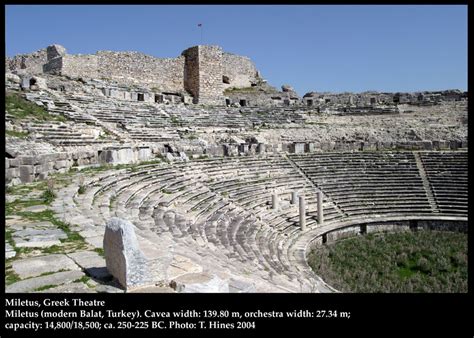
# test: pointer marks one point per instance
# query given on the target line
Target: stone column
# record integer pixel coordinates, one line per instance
(294, 197)
(302, 214)
(275, 201)
(320, 208)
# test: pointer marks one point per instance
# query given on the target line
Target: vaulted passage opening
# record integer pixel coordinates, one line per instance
(140, 97)
(243, 103)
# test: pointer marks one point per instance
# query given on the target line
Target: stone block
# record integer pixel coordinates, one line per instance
(83, 161)
(43, 176)
(62, 156)
(37, 242)
(443, 144)
(55, 51)
(54, 279)
(427, 145)
(92, 263)
(28, 160)
(14, 162)
(26, 173)
(40, 168)
(181, 265)
(200, 283)
(49, 157)
(238, 286)
(454, 144)
(70, 288)
(9, 251)
(60, 164)
(35, 266)
(125, 259)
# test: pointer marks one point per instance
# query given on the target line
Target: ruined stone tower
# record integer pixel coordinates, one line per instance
(203, 72)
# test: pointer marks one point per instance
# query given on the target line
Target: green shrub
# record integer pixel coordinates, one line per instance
(425, 261)
(22, 109)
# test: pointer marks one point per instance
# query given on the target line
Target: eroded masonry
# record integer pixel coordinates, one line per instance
(125, 171)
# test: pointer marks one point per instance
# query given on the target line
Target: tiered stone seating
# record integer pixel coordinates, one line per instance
(212, 219)
(219, 210)
(63, 133)
(96, 109)
(447, 175)
(143, 133)
(368, 183)
(273, 117)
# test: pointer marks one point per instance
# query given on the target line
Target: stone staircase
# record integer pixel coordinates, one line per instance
(426, 183)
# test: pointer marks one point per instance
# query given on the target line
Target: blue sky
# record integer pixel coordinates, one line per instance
(311, 47)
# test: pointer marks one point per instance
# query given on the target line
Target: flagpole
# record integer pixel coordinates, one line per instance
(200, 26)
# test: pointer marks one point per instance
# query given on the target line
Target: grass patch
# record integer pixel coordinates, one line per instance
(83, 279)
(50, 273)
(11, 208)
(53, 249)
(232, 90)
(100, 251)
(45, 287)
(112, 201)
(11, 277)
(176, 121)
(48, 196)
(9, 237)
(22, 109)
(48, 215)
(23, 251)
(81, 190)
(105, 134)
(18, 134)
(423, 261)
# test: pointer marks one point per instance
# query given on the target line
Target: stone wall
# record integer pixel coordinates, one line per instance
(27, 63)
(125, 155)
(239, 69)
(25, 169)
(373, 146)
(210, 75)
(191, 72)
(203, 74)
(76, 66)
(132, 67)
(200, 70)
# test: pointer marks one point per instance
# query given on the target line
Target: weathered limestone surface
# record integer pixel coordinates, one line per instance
(35, 266)
(124, 259)
(93, 264)
(9, 252)
(31, 284)
(200, 283)
(125, 155)
(38, 238)
(134, 263)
